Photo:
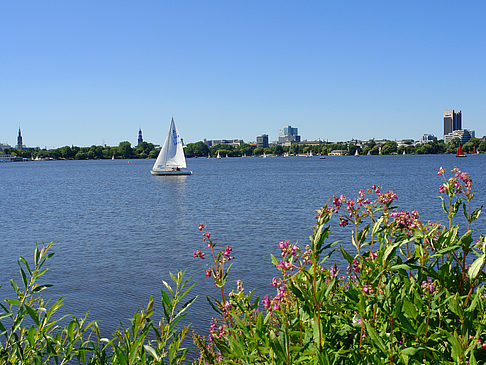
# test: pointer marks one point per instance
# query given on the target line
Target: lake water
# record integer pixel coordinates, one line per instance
(118, 231)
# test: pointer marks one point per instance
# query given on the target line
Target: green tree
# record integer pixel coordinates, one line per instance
(389, 148)
(482, 146)
(125, 150)
(81, 155)
(453, 145)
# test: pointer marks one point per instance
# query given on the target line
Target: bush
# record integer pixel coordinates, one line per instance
(408, 295)
(46, 340)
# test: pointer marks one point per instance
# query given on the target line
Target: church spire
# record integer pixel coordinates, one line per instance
(19, 139)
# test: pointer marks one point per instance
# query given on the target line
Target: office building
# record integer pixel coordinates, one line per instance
(463, 134)
(262, 141)
(452, 121)
(288, 134)
(427, 138)
(230, 142)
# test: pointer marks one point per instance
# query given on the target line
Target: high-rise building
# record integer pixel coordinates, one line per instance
(140, 139)
(262, 140)
(19, 140)
(452, 121)
(288, 134)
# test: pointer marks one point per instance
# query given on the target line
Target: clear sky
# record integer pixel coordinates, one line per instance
(92, 72)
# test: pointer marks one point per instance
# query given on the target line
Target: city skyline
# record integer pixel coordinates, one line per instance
(84, 73)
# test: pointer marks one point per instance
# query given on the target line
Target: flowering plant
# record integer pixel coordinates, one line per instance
(407, 296)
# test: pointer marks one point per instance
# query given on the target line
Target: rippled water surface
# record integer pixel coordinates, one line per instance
(118, 231)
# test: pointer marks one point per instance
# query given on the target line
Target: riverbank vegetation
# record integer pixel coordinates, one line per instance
(412, 293)
(200, 149)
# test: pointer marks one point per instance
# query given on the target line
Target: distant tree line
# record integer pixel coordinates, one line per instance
(123, 150)
(199, 149)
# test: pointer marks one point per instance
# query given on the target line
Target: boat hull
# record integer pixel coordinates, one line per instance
(170, 173)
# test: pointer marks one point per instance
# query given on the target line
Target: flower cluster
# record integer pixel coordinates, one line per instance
(277, 301)
(387, 198)
(216, 331)
(428, 286)
(227, 253)
(406, 221)
(461, 182)
(367, 289)
(287, 249)
(199, 254)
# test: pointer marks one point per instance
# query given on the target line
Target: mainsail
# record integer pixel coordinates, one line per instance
(171, 154)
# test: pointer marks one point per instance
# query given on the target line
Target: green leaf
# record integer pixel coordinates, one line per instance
(15, 286)
(152, 352)
(475, 268)
(33, 314)
(346, 255)
(40, 288)
(409, 308)
(457, 348)
(410, 351)
(475, 214)
(376, 339)
(443, 205)
(275, 261)
(377, 225)
(24, 261)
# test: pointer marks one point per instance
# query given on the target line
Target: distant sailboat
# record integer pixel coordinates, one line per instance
(264, 155)
(369, 153)
(112, 157)
(218, 156)
(356, 153)
(404, 153)
(244, 155)
(459, 152)
(209, 155)
(226, 155)
(171, 158)
(474, 152)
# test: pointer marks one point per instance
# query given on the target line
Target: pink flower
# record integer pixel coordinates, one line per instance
(344, 222)
(266, 302)
(199, 254)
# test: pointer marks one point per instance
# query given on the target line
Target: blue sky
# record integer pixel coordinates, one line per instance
(88, 72)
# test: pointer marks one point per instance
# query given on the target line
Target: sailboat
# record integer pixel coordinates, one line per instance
(112, 157)
(404, 153)
(356, 153)
(218, 156)
(459, 152)
(474, 152)
(171, 159)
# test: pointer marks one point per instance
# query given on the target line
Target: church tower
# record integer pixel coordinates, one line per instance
(140, 139)
(19, 140)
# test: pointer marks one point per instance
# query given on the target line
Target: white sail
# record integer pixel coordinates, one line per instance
(356, 153)
(171, 154)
